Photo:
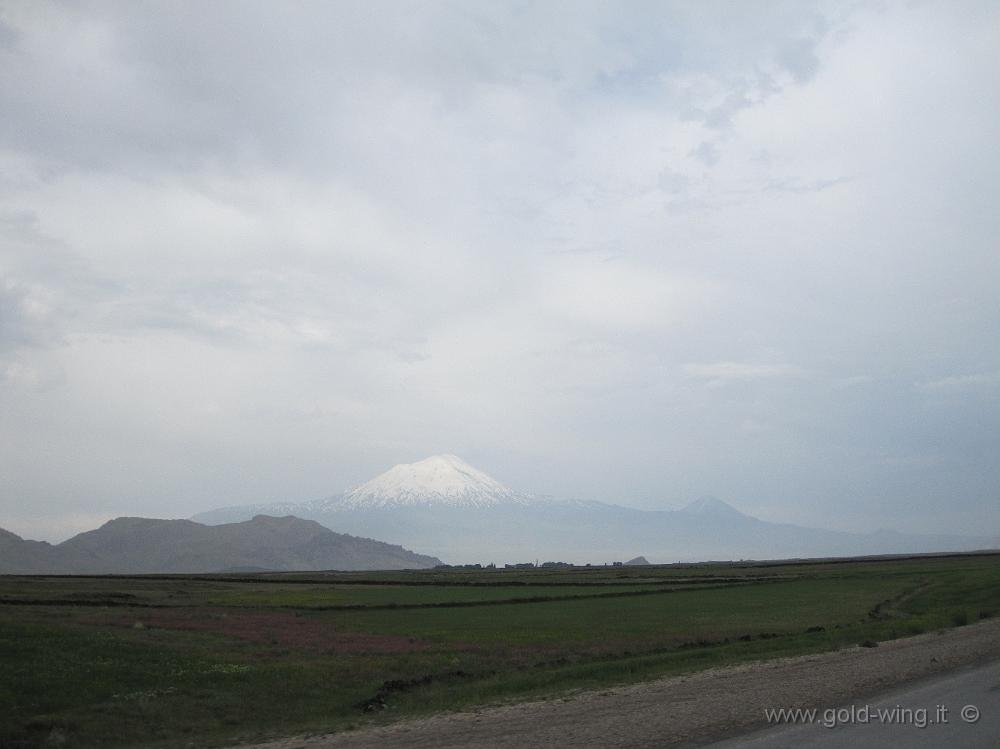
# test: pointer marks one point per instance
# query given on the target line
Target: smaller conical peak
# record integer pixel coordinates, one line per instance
(712, 506)
(440, 479)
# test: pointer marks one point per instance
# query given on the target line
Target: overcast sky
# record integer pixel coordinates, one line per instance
(635, 252)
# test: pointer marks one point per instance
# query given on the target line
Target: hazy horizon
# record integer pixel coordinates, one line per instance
(637, 254)
(415, 539)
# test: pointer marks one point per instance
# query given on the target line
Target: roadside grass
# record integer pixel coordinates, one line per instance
(97, 688)
(109, 676)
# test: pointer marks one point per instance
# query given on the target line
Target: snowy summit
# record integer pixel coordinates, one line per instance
(438, 480)
(712, 507)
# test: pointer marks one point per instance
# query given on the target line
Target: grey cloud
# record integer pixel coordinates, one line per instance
(720, 372)
(707, 153)
(638, 254)
(9, 36)
(962, 381)
(119, 84)
(800, 59)
(794, 185)
(22, 317)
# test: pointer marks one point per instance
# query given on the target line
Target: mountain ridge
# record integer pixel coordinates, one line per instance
(512, 526)
(135, 545)
(713, 506)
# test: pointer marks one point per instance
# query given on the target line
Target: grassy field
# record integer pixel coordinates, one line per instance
(213, 660)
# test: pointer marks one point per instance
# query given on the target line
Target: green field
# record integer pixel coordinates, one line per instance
(214, 660)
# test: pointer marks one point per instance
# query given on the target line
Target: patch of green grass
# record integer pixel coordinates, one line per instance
(319, 596)
(626, 623)
(98, 687)
(85, 674)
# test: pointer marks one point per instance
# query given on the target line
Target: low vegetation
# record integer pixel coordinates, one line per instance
(213, 660)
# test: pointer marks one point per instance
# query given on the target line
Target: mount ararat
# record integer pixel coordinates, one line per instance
(449, 509)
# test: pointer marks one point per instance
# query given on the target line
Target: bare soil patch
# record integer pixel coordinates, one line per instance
(279, 628)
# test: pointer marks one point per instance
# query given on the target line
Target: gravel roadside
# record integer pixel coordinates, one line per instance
(683, 710)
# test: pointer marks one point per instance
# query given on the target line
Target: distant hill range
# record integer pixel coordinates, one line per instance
(446, 507)
(143, 545)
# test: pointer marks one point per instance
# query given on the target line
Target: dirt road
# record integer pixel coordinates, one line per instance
(685, 710)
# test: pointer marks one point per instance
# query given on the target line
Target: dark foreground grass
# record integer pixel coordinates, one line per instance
(201, 662)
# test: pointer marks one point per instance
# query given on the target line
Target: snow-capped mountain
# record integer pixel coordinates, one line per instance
(445, 507)
(438, 480)
(712, 507)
